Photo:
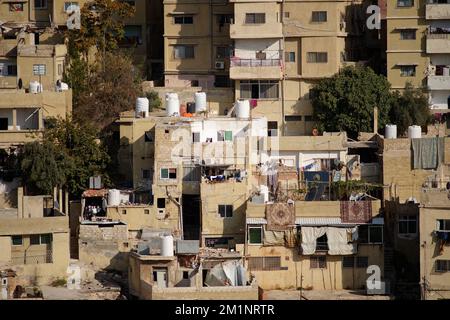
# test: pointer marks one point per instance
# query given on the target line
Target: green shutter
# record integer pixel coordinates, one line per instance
(228, 136)
(255, 235)
(164, 173)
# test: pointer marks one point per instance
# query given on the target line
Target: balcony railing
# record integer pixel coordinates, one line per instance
(32, 258)
(438, 35)
(238, 62)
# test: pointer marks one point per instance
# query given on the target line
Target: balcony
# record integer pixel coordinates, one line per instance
(438, 82)
(438, 42)
(437, 11)
(255, 68)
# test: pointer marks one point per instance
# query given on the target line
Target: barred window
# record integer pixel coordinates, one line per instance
(264, 263)
(183, 20)
(442, 265)
(362, 262)
(318, 262)
(183, 52)
(319, 16)
(317, 57)
(259, 89)
(405, 3)
(255, 18)
(408, 71)
(409, 34)
(348, 262)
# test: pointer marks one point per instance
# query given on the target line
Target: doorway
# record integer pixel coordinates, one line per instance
(191, 217)
(160, 277)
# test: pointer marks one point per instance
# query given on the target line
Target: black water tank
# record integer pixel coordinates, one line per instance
(191, 107)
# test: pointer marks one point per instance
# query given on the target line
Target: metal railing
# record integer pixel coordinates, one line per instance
(238, 62)
(46, 257)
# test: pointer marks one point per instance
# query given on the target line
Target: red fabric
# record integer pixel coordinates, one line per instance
(356, 211)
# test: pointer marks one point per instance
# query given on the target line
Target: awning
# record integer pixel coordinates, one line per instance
(321, 221)
(256, 221)
(401, 64)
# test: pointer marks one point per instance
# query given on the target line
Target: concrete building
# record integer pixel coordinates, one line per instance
(34, 237)
(417, 48)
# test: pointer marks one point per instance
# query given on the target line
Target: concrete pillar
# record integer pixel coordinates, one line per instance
(61, 208)
(66, 202)
(375, 120)
(20, 202)
(40, 120)
(14, 119)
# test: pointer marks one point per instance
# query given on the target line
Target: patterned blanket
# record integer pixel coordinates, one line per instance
(356, 211)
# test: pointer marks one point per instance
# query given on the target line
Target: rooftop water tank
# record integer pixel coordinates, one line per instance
(414, 132)
(142, 105)
(113, 197)
(200, 101)
(390, 132)
(35, 87)
(242, 109)
(172, 105)
(167, 246)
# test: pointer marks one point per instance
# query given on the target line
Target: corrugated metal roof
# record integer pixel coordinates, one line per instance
(320, 221)
(256, 221)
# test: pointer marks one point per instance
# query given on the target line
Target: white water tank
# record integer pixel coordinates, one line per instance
(172, 105)
(390, 132)
(242, 109)
(414, 132)
(64, 86)
(167, 246)
(113, 197)
(142, 107)
(200, 101)
(264, 190)
(35, 87)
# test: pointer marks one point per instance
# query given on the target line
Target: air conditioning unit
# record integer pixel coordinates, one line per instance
(220, 65)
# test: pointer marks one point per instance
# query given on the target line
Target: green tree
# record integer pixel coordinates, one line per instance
(154, 100)
(346, 101)
(68, 155)
(409, 108)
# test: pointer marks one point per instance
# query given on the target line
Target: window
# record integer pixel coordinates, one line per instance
(222, 52)
(17, 240)
(322, 243)
(223, 19)
(185, 274)
(191, 173)
(12, 70)
(195, 136)
(375, 234)
(146, 211)
(405, 3)
(40, 4)
(255, 18)
(148, 137)
(145, 174)
(222, 81)
(124, 211)
(228, 136)
(287, 14)
(183, 20)
(46, 238)
(409, 34)
(39, 69)
(318, 262)
(60, 69)
(317, 57)
(443, 225)
(255, 235)
(362, 262)
(264, 263)
(259, 89)
(132, 36)
(290, 56)
(292, 118)
(442, 265)
(35, 239)
(319, 16)
(407, 224)
(168, 173)
(16, 7)
(272, 128)
(183, 51)
(225, 210)
(348, 262)
(408, 71)
(161, 203)
(68, 4)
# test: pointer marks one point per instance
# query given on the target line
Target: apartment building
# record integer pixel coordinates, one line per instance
(34, 237)
(272, 51)
(417, 50)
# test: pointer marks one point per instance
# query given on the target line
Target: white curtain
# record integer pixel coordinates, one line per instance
(309, 238)
(338, 240)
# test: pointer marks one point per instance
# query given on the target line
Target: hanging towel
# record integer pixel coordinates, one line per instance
(309, 238)
(428, 153)
(338, 242)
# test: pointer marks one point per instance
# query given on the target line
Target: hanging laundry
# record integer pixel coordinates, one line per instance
(356, 211)
(428, 153)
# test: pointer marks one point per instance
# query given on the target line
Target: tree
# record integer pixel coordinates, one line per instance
(109, 91)
(68, 155)
(346, 101)
(154, 100)
(409, 108)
